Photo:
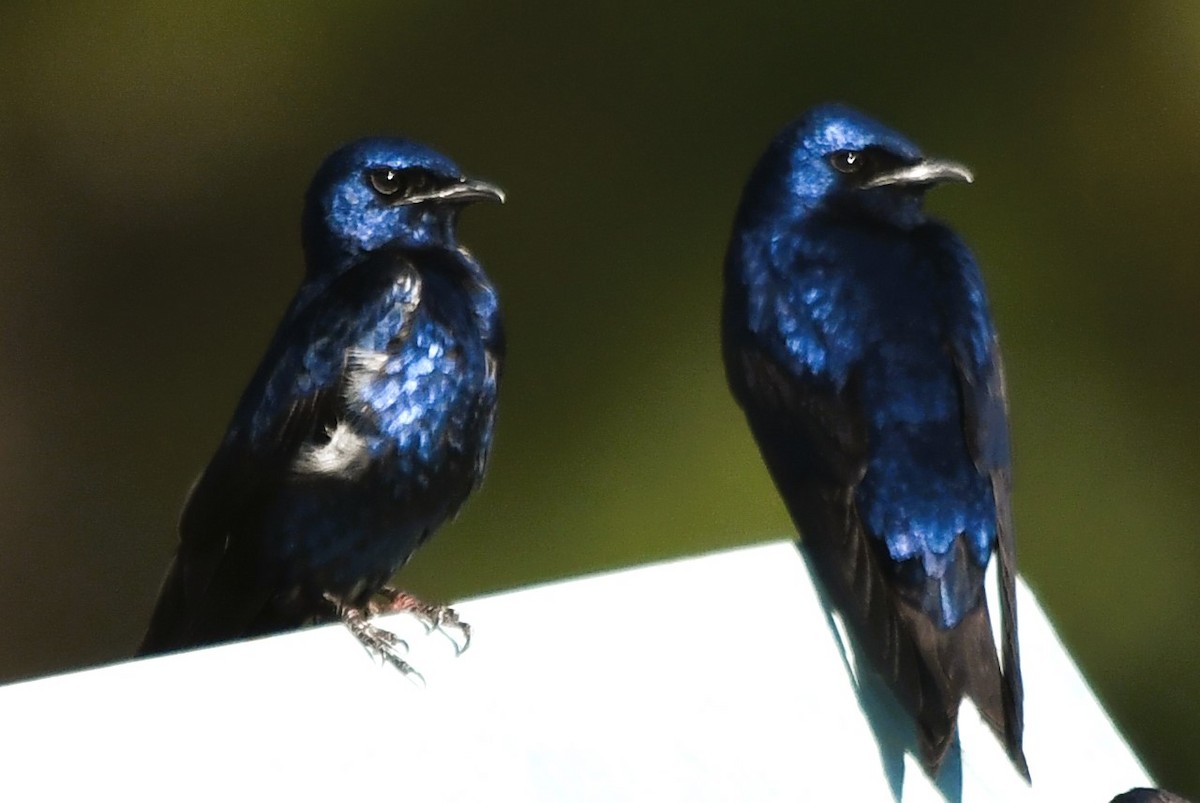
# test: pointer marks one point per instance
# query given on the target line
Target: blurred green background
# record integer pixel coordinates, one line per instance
(152, 161)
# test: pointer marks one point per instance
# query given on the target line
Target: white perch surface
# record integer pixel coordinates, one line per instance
(716, 678)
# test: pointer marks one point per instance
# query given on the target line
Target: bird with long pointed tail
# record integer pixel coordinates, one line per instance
(858, 341)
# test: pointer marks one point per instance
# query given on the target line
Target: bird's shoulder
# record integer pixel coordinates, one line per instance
(961, 292)
(363, 308)
(297, 391)
(794, 333)
(803, 302)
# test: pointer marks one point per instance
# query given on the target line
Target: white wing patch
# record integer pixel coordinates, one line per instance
(362, 366)
(345, 454)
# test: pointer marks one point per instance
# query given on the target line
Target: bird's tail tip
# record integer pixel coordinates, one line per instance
(969, 667)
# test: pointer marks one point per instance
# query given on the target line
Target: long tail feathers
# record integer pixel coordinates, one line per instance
(212, 598)
(929, 669)
(953, 664)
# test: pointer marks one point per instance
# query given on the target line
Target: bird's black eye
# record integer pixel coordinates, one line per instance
(385, 181)
(848, 161)
(409, 183)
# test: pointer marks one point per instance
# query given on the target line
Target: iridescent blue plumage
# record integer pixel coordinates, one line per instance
(858, 341)
(369, 421)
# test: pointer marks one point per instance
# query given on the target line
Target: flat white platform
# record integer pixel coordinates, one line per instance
(715, 678)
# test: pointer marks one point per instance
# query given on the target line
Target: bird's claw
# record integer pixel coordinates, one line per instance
(379, 642)
(434, 617)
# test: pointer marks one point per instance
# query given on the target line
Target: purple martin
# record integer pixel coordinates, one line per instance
(367, 424)
(858, 342)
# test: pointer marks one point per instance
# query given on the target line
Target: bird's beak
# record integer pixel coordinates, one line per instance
(467, 190)
(924, 172)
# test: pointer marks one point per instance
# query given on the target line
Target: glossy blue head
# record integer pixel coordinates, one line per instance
(384, 191)
(837, 159)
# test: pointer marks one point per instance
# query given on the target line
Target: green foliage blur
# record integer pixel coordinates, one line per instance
(152, 161)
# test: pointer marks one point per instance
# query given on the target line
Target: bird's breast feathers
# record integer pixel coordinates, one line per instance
(412, 384)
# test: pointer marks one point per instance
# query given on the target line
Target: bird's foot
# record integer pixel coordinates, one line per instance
(434, 617)
(385, 644)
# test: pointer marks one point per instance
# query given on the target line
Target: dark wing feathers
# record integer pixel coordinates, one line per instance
(980, 369)
(1013, 689)
(815, 445)
(213, 590)
(825, 431)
